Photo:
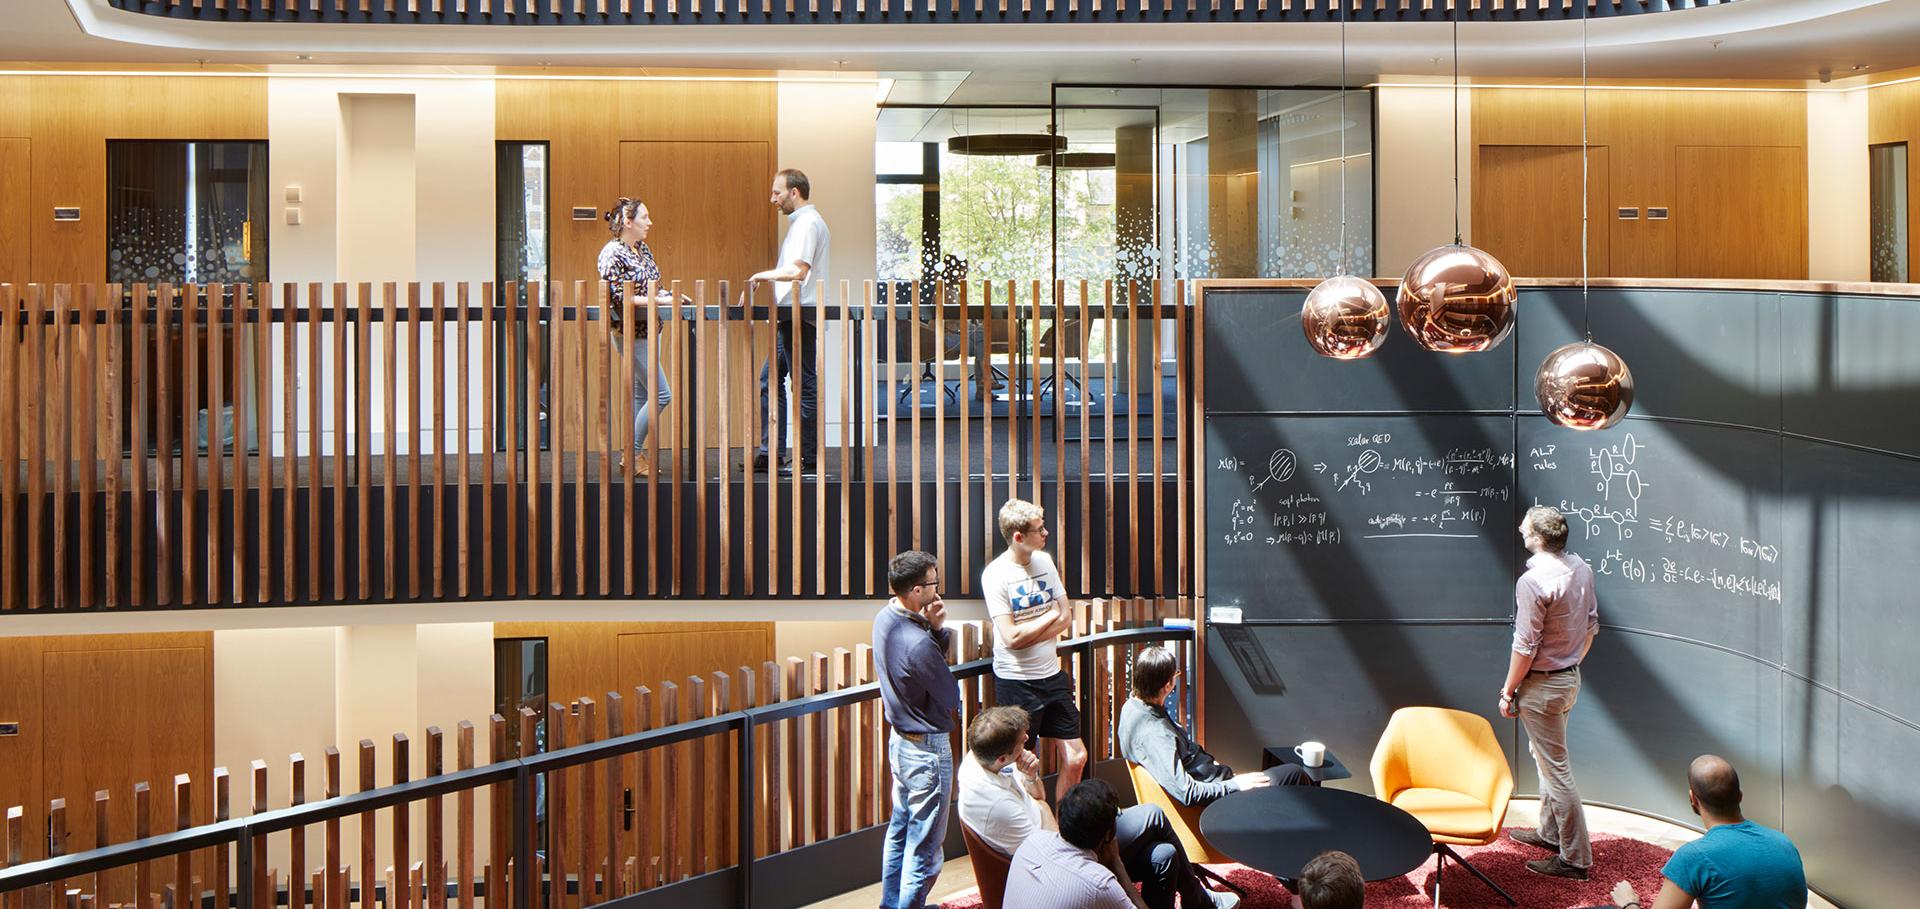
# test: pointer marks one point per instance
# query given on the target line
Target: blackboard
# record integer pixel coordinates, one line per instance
(1681, 523)
(1360, 517)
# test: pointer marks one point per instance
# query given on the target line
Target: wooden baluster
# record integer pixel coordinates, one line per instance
(725, 773)
(57, 834)
(12, 425)
(416, 488)
(487, 378)
(618, 795)
(772, 691)
(843, 757)
(587, 724)
(367, 831)
(143, 882)
(58, 392)
(869, 337)
(263, 881)
(499, 814)
(88, 391)
(939, 356)
(435, 896)
(646, 833)
(330, 833)
(102, 834)
(796, 758)
(582, 393)
(437, 340)
(867, 714)
(528, 720)
(183, 860)
(700, 853)
(402, 823)
(463, 814)
(822, 671)
(289, 434)
(216, 445)
(603, 373)
(559, 806)
(671, 773)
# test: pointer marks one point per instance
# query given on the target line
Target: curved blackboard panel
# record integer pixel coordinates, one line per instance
(1865, 611)
(1258, 360)
(1697, 355)
(1361, 517)
(1845, 803)
(1853, 370)
(1338, 684)
(1649, 705)
(1681, 522)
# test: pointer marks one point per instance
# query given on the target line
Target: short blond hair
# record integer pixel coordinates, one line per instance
(1017, 516)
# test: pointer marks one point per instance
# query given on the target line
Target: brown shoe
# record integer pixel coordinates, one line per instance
(1554, 866)
(1533, 838)
(640, 465)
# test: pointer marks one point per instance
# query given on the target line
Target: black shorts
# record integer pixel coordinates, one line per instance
(1048, 703)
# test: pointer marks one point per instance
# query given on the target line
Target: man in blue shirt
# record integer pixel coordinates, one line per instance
(919, 696)
(1738, 864)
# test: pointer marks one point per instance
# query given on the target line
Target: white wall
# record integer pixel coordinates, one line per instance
(826, 130)
(1415, 170)
(1837, 187)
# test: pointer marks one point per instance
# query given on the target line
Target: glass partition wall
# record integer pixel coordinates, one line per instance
(1152, 182)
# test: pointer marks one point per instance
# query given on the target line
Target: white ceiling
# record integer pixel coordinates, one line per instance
(1751, 39)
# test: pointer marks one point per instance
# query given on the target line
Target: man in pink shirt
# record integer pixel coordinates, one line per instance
(1555, 619)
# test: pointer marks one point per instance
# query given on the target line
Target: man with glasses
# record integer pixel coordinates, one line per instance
(919, 696)
(1029, 608)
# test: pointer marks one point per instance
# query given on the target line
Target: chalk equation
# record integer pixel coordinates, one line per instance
(1671, 571)
(1449, 495)
(1360, 474)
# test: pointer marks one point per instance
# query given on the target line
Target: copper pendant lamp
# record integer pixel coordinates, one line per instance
(1583, 385)
(1456, 298)
(1345, 317)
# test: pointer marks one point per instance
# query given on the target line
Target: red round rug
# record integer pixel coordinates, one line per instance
(1614, 859)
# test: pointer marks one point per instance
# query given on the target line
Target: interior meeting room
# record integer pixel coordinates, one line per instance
(1041, 454)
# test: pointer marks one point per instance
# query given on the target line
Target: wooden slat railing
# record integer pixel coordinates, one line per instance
(417, 465)
(697, 12)
(685, 792)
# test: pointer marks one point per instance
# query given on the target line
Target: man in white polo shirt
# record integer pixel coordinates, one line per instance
(797, 278)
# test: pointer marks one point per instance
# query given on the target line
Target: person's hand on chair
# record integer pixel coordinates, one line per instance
(1246, 781)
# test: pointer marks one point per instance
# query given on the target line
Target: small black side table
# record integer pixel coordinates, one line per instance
(1330, 768)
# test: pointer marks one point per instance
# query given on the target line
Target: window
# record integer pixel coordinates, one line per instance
(521, 204)
(1888, 237)
(186, 212)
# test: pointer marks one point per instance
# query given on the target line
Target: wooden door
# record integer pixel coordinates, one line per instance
(103, 712)
(1740, 211)
(1526, 209)
(712, 223)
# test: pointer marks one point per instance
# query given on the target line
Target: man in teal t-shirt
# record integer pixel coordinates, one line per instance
(1738, 864)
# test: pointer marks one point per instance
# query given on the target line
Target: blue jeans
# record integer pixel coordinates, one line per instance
(917, 831)
(642, 414)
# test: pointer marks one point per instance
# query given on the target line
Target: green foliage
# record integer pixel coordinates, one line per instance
(995, 214)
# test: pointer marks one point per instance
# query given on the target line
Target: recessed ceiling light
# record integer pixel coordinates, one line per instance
(303, 58)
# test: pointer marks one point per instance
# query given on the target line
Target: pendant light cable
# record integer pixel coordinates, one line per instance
(1586, 306)
(1345, 255)
(1456, 119)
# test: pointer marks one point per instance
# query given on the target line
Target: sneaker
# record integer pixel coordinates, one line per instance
(1554, 866)
(1533, 838)
(1224, 899)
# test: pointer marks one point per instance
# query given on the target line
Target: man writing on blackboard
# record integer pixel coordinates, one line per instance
(1555, 618)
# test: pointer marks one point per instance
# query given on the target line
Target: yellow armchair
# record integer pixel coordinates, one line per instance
(1186, 824)
(1446, 768)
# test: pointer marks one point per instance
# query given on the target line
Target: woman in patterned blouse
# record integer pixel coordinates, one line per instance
(627, 258)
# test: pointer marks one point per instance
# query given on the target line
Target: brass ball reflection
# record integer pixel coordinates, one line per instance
(1584, 386)
(1457, 299)
(1345, 318)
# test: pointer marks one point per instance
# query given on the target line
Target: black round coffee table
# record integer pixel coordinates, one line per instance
(1278, 829)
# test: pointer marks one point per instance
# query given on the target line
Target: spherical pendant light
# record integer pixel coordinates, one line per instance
(1345, 318)
(1584, 386)
(1457, 299)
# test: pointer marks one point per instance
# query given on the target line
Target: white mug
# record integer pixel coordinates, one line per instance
(1311, 754)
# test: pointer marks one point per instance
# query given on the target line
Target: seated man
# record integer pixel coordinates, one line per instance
(1150, 738)
(1738, 864)
(1079, 865)
(1331, 881)
(1002, 802)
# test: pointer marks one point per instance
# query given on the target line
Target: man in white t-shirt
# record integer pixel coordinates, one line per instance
(797, 278)
(1001, 801)
(1029, 608)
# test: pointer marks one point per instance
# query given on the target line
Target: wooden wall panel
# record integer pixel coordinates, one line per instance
(1738, 207)
(70, 120)
(1893, 115)
(16, 195)
(1642, 130)
(1535, 192)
